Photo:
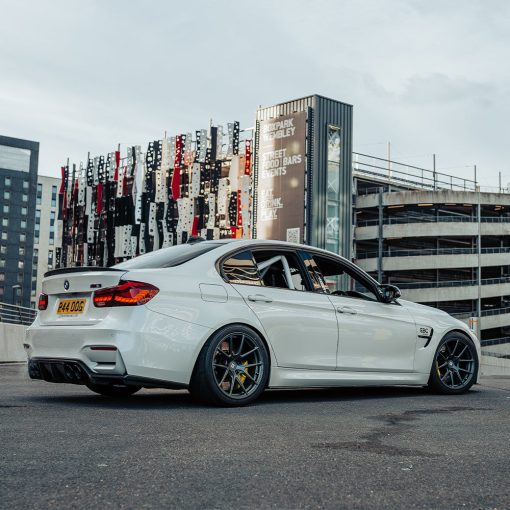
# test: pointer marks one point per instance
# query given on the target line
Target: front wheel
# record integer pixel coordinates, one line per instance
(455, 366)
(232, 368)
(110, 390)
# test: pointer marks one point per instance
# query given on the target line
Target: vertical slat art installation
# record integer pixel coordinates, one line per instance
(116, 208)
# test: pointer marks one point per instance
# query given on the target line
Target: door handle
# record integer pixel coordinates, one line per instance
(259, 297)
(346, 309)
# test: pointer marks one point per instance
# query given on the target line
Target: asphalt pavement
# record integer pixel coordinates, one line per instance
(62, 446)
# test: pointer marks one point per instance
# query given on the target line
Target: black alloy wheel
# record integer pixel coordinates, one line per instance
(455, 365)
(232, 369)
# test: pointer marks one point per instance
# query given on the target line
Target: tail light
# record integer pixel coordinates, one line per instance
(126, 293)
(43, 302)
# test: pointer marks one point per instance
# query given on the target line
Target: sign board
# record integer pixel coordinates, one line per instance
(281, 178)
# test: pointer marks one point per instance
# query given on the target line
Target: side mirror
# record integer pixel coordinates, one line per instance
(389, 293)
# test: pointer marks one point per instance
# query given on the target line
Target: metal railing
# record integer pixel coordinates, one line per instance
(408, 175)
(14, 314)
(431, 251)
(483, 313)
(432, 219)
(450, 283)
(495, 341)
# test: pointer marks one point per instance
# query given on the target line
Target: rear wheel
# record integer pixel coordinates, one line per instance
(455, 366)
(232, 369)
(111, 390)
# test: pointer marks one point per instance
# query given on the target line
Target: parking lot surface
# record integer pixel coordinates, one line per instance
(64, 447)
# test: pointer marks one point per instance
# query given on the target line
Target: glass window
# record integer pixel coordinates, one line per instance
(344, 281)
(6, 209)
(39, 194)
(23, 224)
(4, 235)
(24, 197)
(241, 268)
(24, 211)
(52, 218)
(2, 277)
(14, 158)
(7, 195)
(21, 264)
(2, 262)
(7, 181)
(22, 238)
(5, 222)
(280, 269)
(53, 196)
(25, 184)
(22, 250)
(170, 257)
(3, 248)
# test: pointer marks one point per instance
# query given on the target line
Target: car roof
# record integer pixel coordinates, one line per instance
(269, 242)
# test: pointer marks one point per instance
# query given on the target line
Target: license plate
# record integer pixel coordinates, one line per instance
(71, 306)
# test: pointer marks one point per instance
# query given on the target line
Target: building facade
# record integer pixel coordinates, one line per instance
(440, 239)
(46, 240)
(18, 184)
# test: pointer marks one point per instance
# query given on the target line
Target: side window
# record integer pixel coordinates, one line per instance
(241, 268)
(318, 282)
(280, 269)
(341, 280)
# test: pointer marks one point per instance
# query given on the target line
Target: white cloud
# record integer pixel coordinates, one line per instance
(431, 77)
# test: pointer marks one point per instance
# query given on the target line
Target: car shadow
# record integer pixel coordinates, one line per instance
(162, 400)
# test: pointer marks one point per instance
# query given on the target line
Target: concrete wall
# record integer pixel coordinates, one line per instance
(433, 197)
(12, 337)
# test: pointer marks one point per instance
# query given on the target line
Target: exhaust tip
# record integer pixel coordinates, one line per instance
(33, 370)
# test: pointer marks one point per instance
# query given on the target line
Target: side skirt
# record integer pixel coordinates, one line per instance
(295, 377)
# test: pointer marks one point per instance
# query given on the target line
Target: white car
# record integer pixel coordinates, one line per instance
(228, 319)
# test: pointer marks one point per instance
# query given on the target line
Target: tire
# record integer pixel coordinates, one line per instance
(232, 368)
(109, 390)
(455, 366)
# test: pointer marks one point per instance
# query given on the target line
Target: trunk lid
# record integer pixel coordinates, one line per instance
(70, 295)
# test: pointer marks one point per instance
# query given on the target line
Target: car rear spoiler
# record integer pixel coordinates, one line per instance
(82, 269)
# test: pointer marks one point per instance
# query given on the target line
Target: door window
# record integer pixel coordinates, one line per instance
(341, 280)
(241, 268)
(280, 269)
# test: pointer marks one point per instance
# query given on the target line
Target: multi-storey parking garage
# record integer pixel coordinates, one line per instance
(444, 242)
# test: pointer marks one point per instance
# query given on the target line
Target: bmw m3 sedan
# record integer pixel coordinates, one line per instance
(228, 319)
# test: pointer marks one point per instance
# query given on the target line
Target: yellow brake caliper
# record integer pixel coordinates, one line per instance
(242, 377)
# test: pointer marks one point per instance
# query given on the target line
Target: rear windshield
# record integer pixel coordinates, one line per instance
(168, 257)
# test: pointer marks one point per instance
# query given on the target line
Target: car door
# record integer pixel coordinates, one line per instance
(301, 326)
(373, 335)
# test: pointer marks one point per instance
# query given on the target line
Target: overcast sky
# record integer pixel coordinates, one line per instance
(428, 76)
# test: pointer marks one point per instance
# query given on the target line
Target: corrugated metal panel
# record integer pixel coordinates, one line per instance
(330, 112)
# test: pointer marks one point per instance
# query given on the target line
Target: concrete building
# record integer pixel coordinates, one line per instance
(441, 239)
(18, 183)
(45, 236)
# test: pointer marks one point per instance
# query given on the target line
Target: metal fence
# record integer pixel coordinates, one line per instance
(451, 283)
(13, 314)
(408, 175)
(432, 219)
(431, 251)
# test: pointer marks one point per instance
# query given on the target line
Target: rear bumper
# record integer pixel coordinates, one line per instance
(141, 345)
(76, 372)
